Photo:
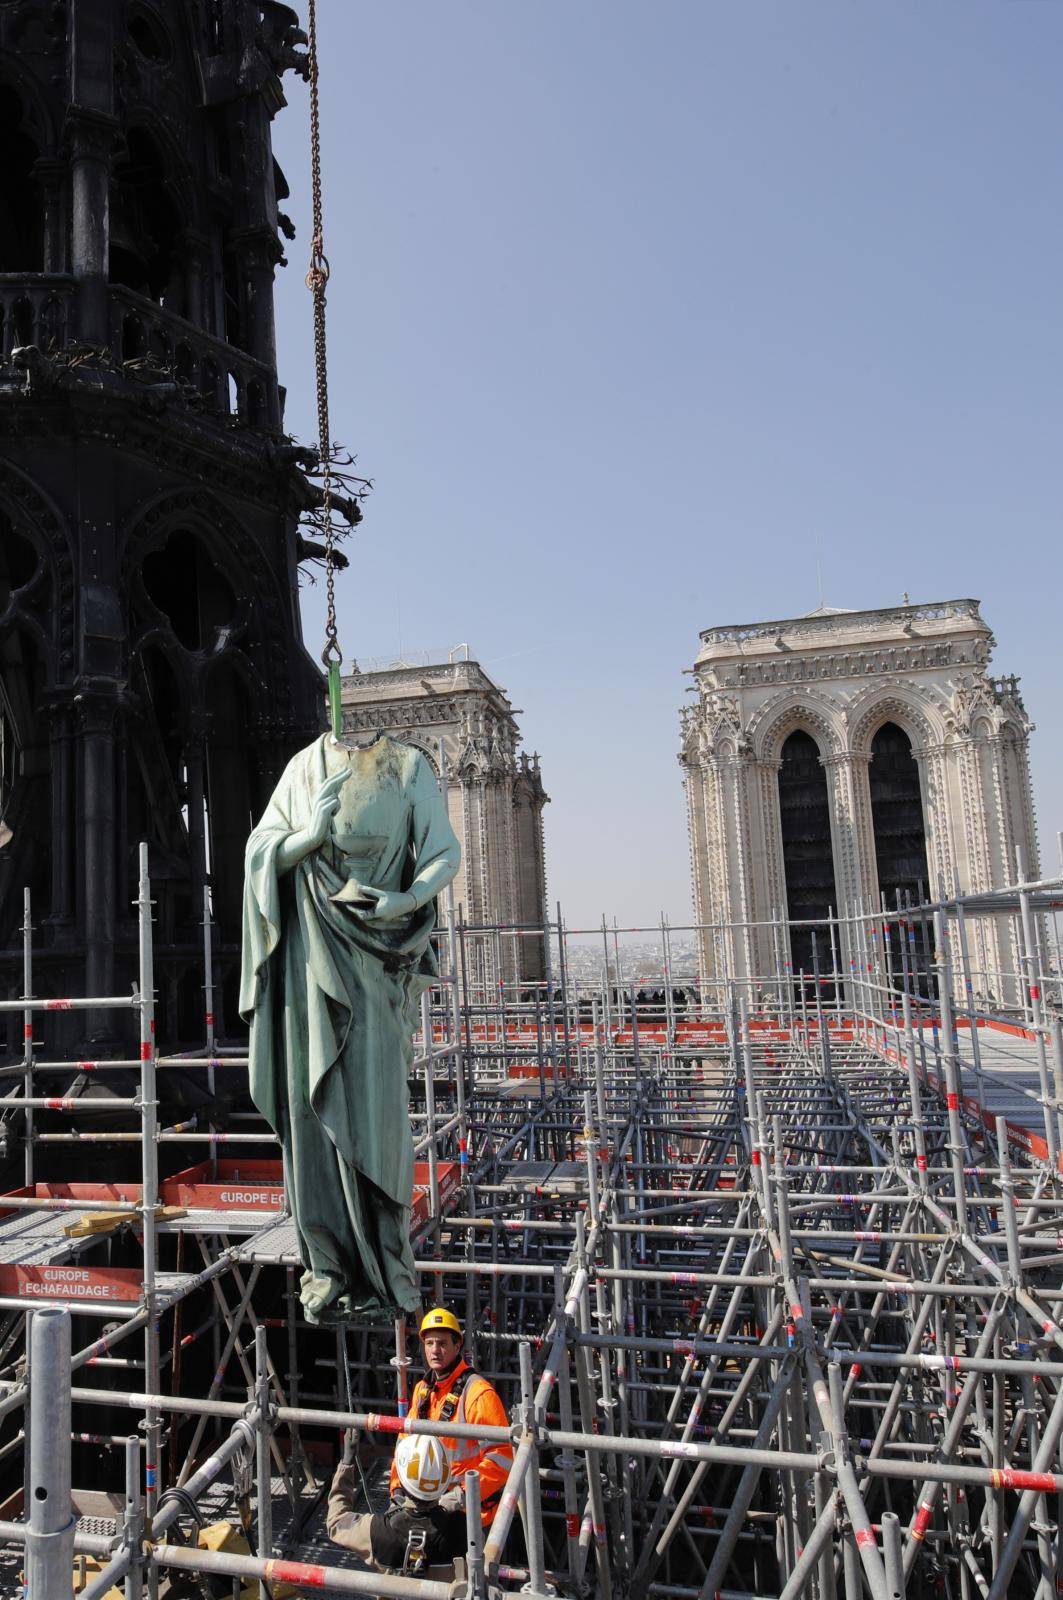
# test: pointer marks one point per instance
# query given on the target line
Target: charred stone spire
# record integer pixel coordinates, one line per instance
(153, 679)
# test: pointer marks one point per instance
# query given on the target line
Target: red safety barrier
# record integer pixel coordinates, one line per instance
(448, 1176)
(230, 1186)
(1019, 1136)
(64, 1281)
(241, 1185)
(235, 1186)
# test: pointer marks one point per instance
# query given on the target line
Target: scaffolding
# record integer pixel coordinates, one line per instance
(767, 1272)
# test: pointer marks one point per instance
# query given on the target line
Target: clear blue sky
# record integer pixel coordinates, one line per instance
(632, 303)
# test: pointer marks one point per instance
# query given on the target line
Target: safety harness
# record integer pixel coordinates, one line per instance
(452, 1402)
(452, 1409)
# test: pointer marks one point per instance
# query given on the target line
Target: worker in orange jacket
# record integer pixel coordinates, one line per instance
(422, 1525)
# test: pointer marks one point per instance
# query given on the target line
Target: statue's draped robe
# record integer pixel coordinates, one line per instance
(332, 1000)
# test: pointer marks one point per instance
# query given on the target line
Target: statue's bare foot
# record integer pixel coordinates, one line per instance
(316, 1293)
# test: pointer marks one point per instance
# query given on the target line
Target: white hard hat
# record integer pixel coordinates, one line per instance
(423, 1465)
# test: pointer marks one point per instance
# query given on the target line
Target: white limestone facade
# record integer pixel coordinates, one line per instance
(465, 725)
(840, 677)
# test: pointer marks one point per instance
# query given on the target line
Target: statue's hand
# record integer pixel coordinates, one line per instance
(354, 894)
(326, 804)
(390, 904)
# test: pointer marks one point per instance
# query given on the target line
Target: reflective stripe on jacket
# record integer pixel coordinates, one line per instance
(479, 1403)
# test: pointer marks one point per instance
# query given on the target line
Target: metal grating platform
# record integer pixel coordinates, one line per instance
(274, 1245)
(173, 1286)
(224, 1222)
(561, 1177)
(37, 1237)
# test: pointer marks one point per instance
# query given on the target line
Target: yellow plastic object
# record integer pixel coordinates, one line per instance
(228, 1539)
(223, 1537)
(85, 1569)
(439, 1317)
(219, 1536)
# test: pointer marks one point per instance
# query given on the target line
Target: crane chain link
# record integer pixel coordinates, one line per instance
(316, 281)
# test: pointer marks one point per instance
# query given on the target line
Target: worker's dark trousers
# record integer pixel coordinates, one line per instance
(383, 1537)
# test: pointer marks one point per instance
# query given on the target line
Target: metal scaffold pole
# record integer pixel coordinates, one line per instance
(51, 1524)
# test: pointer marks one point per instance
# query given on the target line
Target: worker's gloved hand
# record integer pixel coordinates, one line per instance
(453, 1501)
(350, 1446)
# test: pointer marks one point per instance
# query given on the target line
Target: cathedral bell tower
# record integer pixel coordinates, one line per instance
(153, 679)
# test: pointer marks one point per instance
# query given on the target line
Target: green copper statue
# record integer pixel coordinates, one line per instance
(340, 881)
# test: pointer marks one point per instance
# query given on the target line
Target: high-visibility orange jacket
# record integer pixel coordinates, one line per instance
(479, 1403)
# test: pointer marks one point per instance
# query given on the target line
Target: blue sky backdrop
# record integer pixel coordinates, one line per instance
(634, 306)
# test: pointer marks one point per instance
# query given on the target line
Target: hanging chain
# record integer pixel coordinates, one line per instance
(316, 281)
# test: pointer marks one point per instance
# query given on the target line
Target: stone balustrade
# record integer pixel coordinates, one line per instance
(35, 309)
(38, 309)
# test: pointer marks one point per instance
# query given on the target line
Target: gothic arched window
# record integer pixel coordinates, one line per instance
(182, 580)
(25, 792)
(18, 565)
(21, 208)
(146, 253)
(808, 858)
(900, 833)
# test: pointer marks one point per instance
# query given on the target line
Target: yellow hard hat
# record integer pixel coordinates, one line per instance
(440, 1317)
